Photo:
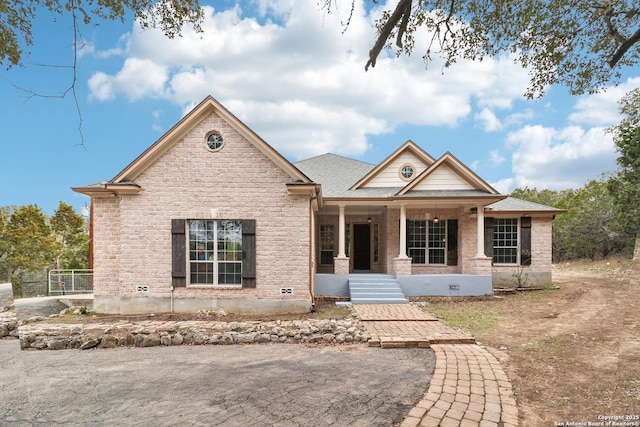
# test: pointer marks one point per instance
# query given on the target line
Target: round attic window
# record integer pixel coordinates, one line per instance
(407, 171)
(215, 141)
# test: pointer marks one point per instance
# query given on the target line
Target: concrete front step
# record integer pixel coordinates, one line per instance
(382, 300)
(375, 289)
(373, 293)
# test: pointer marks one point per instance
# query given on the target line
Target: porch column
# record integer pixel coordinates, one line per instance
(402, 264)
(480, 217)
(341, 262)
(402, 253)
(341, 227)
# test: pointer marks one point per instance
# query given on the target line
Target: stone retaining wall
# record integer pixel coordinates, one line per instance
(8, 325)
(43, 336)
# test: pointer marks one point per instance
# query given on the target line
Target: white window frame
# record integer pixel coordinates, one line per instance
(505, 247)
(212, 256)
(427, 248)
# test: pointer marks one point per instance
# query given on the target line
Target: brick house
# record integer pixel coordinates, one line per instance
(210, 216)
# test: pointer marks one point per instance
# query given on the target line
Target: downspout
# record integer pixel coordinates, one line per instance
(312, 274)
(172, 299)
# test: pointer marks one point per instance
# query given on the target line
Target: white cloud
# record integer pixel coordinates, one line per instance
(557, 159)
(601, 109)
(495, 158)
(293, 76)
(489, 121)
(137, 78)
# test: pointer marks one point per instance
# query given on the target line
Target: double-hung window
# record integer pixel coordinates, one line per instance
(505, 241)
(426, 241)
(215, 252)
(326, 243)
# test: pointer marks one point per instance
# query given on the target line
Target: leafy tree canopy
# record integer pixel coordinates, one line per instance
(626, 186)
(582, 44)
(71, 245)
(17, 17)
(28, 238)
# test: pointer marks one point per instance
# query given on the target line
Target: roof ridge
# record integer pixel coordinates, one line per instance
(335, 155)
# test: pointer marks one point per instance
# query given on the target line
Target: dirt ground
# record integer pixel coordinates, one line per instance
(572, 353)
(324, 310)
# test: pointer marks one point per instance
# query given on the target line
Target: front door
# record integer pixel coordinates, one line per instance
(361, 247)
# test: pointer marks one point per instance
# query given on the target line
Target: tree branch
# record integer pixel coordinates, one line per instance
(72, 86)
(623, 48)
(398, 16)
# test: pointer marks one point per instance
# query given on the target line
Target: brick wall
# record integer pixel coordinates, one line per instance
(539, 272)
(132, 234)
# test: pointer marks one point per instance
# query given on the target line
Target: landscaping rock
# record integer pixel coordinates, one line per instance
(155, 333)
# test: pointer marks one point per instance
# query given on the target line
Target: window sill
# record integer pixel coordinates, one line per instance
(214, 286)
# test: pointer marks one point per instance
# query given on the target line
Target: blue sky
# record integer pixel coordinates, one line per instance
(288, 71)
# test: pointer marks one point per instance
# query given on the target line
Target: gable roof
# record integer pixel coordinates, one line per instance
(461, 171)
(124, 181)
(408, 147)
(207, 106)
(336, 174)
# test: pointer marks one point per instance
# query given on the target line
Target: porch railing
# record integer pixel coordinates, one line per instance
(62, 282)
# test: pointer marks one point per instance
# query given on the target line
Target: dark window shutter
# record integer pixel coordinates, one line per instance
(452, 242)
(178, 253)
(525, 240)
(249, 253)
(488, 237)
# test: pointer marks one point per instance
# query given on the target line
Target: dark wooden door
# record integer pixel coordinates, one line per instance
(361, 247)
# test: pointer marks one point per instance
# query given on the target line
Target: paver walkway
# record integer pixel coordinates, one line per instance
(468, 387)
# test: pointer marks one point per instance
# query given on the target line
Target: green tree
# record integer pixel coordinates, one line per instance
(17, 17)
(544, 197)
(72, 243)
(28, 238)
(589, 229)
(582, 44)
(625, 187)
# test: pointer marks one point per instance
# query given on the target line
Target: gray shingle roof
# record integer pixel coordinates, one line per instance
(337, 174)
(513, 204)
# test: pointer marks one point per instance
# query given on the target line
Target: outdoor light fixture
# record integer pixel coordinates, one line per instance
(369, 218)
(435, 218)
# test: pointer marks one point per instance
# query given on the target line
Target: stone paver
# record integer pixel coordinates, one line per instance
(405, 325)
(391, 312)
(468, 387)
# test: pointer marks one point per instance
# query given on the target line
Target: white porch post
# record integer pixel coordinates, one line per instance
(341, 227)
(402, 253)
(480, 216)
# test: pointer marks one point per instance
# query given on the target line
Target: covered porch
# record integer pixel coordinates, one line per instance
(428, 247)
(401, 238)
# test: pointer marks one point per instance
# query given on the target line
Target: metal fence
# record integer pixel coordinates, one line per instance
(62, 282)
(27, 284)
